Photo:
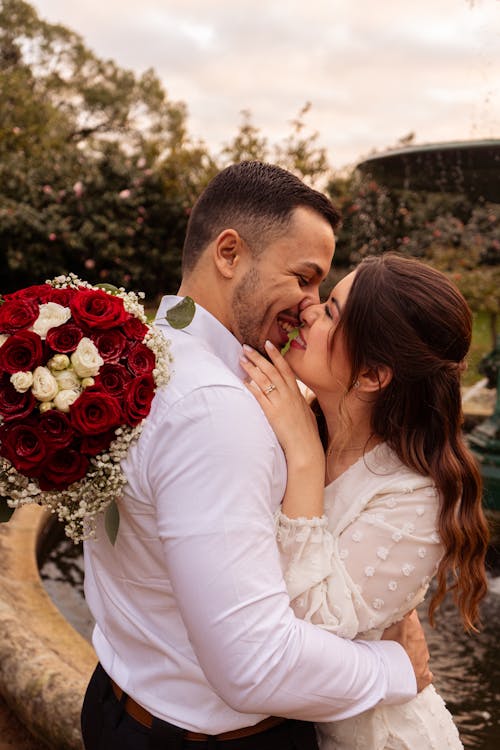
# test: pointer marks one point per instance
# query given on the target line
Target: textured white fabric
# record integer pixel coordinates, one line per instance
(358, 569)
(193, 617)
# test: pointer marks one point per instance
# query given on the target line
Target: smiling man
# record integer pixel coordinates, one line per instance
(197, 643)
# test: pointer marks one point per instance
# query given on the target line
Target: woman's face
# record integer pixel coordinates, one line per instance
(318, 355)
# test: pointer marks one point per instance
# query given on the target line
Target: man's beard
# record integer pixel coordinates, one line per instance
(247, 306)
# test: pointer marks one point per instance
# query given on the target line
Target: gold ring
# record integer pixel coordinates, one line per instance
(270, 388)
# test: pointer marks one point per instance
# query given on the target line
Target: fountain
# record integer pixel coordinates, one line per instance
(467, 167)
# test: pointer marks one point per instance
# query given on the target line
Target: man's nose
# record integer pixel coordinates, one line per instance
(311, 298)
(310, 313)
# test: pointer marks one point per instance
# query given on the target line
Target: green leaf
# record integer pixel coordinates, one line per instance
(112, 521)
(291, 336)
(108, 288)
(181, 314)
(5, 511)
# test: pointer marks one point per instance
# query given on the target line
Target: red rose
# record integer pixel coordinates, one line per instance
(14, 405)
(112, 379)
(134, 329)
(62, 469)
(23, 445)
(94, 412)
(111, 345)
(65, 338)
(56, 428)
(62, 296)
(21, 351)
(141, 359)
(16, 314)
(137, 399)
(96, 309)
(91, 445)
(39, 293)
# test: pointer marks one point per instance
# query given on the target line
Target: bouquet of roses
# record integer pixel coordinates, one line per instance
(78, 370)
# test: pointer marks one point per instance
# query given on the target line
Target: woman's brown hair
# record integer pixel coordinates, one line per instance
(406, 315)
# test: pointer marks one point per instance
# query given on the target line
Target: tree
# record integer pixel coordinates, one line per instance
(300, 152)
(97, 172)
(248, 144)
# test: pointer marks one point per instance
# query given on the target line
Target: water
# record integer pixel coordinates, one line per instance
(466, 668)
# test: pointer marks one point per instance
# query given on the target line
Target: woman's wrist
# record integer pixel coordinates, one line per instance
(304, 494)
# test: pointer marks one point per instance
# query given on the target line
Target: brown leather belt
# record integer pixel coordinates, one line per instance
(140, 714)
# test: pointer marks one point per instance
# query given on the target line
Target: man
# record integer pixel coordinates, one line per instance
(198, 646)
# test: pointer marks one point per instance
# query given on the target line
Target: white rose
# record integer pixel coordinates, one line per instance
(86, 359)
(64, 399)
(58, 362)
(67, 379)
(3, 338)
(22, 381)
(51, 315)
(44, 386)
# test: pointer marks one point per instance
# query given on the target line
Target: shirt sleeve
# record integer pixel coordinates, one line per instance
(212, 487)
(376, 570)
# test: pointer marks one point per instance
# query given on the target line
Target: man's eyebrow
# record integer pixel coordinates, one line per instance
(314, 267)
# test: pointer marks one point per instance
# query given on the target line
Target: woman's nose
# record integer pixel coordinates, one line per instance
(311, 313)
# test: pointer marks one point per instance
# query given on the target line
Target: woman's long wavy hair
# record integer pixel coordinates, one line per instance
(406, 315)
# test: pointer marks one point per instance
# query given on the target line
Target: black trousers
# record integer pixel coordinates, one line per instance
(107, 726)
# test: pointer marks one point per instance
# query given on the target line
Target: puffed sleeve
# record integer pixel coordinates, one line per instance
(373, 572)
(390, 553)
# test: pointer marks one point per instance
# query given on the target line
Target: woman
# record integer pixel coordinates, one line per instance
(402, 501)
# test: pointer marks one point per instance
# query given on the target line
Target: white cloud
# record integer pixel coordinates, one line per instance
(373, 71)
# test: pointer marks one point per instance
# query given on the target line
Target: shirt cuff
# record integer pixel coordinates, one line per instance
(400, 676)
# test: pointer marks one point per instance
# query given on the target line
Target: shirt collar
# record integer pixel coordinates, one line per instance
(214, 335)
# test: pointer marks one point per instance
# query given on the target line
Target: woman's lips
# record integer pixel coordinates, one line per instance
(287, 326)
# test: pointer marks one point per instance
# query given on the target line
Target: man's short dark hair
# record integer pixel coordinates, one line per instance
(256, 200)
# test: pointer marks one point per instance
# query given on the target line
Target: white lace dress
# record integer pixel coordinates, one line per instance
(361, 567)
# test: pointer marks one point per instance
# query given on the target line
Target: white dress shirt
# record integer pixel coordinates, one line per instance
(193, 619)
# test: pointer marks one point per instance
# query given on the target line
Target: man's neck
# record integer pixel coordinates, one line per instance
(206, 295)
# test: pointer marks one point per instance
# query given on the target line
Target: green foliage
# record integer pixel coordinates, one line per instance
(448, 231)
(181, 314)
(298, 152)
(97, 174)
(112, 521)
(248, 144)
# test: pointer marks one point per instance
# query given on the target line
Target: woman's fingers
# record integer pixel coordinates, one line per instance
(277, 370)
(280, 362)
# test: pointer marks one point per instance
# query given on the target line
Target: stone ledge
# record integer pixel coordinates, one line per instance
(45, 664)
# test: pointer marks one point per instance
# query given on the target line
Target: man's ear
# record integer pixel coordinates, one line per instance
(228, 250)
(375, 378)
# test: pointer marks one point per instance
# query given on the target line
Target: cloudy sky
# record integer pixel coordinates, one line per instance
(374, 70)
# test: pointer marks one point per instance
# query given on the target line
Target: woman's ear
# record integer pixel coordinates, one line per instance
(228, 249)
(375, 378)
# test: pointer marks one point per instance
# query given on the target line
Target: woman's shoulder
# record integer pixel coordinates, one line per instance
(377, 478)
